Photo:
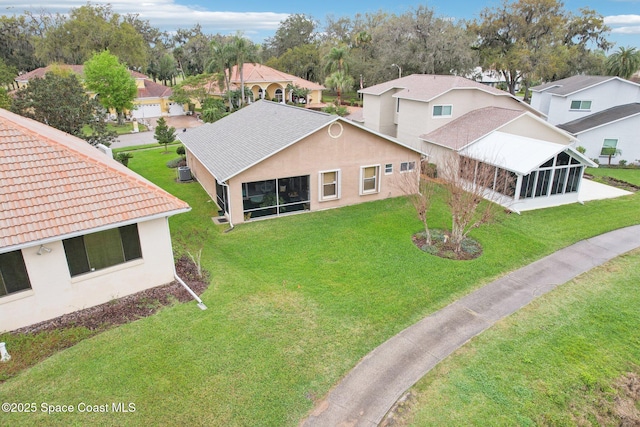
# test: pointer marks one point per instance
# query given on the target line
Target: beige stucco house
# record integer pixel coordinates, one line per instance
(271, 159)
(439, 114)
(152, 99)
(77, 228)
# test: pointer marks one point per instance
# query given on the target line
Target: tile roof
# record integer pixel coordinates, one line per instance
(573, 84)
(425, 87)
(77, 69)
(601, 118)
(53, 184)
(258, 73)
(250, 135)
(154, 90)
(470, 127)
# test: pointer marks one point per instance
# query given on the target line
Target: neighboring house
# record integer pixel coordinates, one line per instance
(543, 168)
(610, 135)
(440, 114)
(77, 228)
(152, 99)
(490, 77)
(270, 84)
(271, 159)
(577, 97)
(411, 106)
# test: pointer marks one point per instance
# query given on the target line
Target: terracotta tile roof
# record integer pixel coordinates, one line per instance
(78, 69)
(154, 90)
(258, 73)
(470, 127)
(53, 184)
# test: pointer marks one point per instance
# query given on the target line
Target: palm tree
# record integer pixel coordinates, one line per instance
(244, 51)
(337, 60)
(223, 56)
(623, 63)
(339, 81)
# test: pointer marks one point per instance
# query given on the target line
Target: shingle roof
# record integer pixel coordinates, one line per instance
(572, 84)
(601, 118)
(248, 136)
(53, 184)
(470, 127)
(425, 87)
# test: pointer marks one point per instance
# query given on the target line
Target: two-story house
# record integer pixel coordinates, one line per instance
(438, 114)
(601, 111)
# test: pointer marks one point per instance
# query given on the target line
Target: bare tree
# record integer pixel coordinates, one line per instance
(472, 189)
(422, 181)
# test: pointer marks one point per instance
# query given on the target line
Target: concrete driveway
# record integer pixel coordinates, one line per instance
(181, 123)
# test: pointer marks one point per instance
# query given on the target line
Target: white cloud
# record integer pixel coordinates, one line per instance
(622, 19)
(165, 14)
(626, 30)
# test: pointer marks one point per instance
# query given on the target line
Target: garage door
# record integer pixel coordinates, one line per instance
(146, 111)
(176, 109)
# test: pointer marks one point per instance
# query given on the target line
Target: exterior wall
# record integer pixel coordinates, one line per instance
(379, 113)
(541, 101)
(350, 151)
(54, 293)
(625, 131)
(531, 128)
(416, 117)
(602, 96)
(203, 176)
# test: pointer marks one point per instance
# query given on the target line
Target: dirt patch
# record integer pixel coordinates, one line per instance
(131, 307)
(625, 405)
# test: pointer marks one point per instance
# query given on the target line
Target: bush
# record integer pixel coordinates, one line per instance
(622, 163)
(175, 163)
(180, 150)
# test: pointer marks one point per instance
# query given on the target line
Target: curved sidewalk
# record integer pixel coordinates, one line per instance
(372, 387)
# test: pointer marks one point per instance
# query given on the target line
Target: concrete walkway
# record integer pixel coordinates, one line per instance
(369, 391)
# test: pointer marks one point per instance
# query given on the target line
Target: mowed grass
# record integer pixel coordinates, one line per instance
(294, 303)
(555, 362)
(630, 175)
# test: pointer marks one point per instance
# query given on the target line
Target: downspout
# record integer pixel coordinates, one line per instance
(224, 184)
(201, 305)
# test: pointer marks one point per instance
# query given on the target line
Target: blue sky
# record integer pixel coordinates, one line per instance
(259, 19)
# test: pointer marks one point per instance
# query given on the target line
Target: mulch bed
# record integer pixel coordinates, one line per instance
(131, 307)
(441, 246)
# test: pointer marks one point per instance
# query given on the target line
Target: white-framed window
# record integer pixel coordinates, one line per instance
(329, 185)
(442, 110)
(388, 168)
(407, 166)
(369, 179)
(609, 147)
(580, 105)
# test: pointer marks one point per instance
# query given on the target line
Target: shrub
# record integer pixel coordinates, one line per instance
(180, 150)
(124, 158)
(581, 149)
(177, 162)
(622, 163)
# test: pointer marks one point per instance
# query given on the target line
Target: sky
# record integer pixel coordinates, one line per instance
(258, 20)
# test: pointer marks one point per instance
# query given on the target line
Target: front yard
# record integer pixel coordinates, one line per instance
(294, 303)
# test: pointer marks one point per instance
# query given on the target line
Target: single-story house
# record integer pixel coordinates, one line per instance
(77, 228)
(152, 99)
(542, 166)
(611, 135)
(270, 159)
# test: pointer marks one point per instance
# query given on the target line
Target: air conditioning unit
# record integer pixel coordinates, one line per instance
(184, 173)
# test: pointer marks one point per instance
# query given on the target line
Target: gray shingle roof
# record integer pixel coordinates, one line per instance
(601, 118)
(250, 135)
(571, 84)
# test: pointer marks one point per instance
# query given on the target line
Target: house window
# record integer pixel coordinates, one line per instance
(13, 273)
(388, 168)
(273, 197)
(279, 96)
(103, 249)
(407, 166)
(609, 147)
(581, 105)
(442, 110)
(329, 185)
(369, 179)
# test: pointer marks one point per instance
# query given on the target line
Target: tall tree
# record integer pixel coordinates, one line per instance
(529, 40)
(302, 61)
(192, 50)
(337, 60)
(60, 101)
(244, 51)
(296, 30)
(624, 62)
(341, 82)
(17, 48)
(221, 62)
(111, 81)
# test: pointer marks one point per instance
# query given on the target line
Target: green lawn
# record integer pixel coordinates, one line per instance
(631, 175)
(558, 361)
(294, 303)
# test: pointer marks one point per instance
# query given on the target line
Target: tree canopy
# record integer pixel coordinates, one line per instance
(624, 62)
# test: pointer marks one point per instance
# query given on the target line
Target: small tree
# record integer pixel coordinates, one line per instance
(164, 134)
(468, 182)
(419, 189)
(213, 109)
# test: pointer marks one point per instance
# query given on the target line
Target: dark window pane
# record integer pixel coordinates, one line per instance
(104, 249)
(13, 273)
(558, 181)
(547, 164)
(130, 242)
(542, 187)
(563, 159)
(76, 255)
(528, 181)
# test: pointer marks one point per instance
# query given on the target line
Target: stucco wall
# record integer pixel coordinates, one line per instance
(353, 149)
(625, 131)
(531, 128)
(54, 293)
(203, 176)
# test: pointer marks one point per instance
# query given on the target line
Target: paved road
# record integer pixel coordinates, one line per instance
(369, 391)
(141, 138)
